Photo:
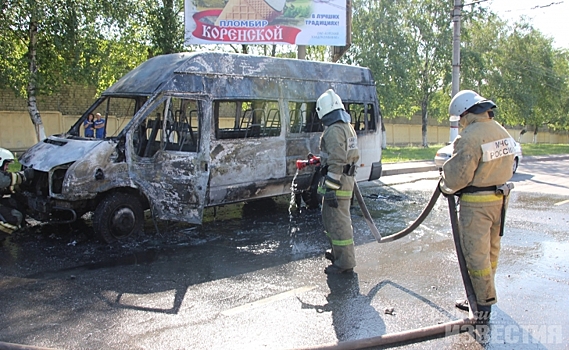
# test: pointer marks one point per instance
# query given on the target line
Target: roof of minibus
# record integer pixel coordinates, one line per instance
(147, 78)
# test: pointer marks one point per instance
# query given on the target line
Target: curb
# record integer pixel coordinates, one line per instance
(420, 168)
(545, 158)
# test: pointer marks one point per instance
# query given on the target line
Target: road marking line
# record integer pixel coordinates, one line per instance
(563, 202)
(265, 301)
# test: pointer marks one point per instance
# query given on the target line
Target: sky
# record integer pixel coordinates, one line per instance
(551, 17)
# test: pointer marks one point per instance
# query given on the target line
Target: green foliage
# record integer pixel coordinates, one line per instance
(14, 166)
(407, 45)
(383, 45)
(72, 36)
(518, 68)
(528, 84)
(165, 26)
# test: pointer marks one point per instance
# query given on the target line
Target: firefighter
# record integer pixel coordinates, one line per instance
(10, 217)
(339, 153)
(477, 172)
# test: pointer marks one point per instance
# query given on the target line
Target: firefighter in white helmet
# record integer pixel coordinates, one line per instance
(339, 154)
(11, 217)
(480, 165)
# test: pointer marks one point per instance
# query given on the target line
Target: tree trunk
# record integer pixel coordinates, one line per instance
(424, 122)
(383, 135)
(32, 101)
(535, 134)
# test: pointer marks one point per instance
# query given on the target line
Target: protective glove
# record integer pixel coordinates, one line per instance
(330, 198)
(332, 183)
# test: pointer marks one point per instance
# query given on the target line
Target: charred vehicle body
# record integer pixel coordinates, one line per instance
(194, 130)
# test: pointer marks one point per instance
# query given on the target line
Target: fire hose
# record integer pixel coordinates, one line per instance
(455, 233)
(402, 233)
(419, 333)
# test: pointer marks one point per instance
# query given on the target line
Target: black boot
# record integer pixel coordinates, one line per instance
(333, 269)
(462, 304)
(483, 313)
(328, 255)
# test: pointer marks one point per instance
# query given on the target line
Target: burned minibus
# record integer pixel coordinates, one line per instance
(194, 130)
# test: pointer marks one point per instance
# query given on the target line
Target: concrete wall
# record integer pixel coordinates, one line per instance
(74, 99)
(18, 134)
(411, 134)
(404, 131)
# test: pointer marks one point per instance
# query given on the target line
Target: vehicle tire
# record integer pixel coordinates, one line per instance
(515, 166)
(118, 217)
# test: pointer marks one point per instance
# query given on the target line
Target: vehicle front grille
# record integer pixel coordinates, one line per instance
(57, 180)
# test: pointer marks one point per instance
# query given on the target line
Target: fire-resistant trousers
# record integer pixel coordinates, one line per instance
(479, 225)
(338, 226)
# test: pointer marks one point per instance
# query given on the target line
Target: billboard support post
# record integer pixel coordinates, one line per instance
(339, 51)
(301, 52)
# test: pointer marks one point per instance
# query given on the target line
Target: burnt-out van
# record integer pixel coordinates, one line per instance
(187, 131)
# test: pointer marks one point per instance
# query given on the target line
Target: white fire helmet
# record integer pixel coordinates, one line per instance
(327, 102)
(5, 156)
(463, 100)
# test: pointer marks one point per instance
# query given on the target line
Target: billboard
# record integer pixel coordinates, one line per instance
(296, 22)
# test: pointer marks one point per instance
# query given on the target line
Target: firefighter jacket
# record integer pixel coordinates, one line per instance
(339, 148)
(483, 155)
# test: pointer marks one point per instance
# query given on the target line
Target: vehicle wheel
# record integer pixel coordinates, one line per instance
(118, 216)
(515, 166)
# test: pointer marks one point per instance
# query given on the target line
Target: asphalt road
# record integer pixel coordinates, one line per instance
(251, 277)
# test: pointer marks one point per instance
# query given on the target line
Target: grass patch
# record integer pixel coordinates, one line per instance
(407, 154)
(544, 149)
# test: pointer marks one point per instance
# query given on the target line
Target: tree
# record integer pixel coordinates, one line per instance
(52, 43)
(560, 119)
(481, 38)
(481, 30)
(164, 19)
(529, 84)
(382, 45)
(407, 45)
(434, 48)
(519, 69)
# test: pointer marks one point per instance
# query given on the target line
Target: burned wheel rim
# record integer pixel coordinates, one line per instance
(118, 216)
(122, 222)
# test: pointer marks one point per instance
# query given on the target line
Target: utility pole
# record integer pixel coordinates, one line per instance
(456, 14)
(455, 63)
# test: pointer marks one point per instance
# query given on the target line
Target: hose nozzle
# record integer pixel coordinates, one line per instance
(303, 163)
